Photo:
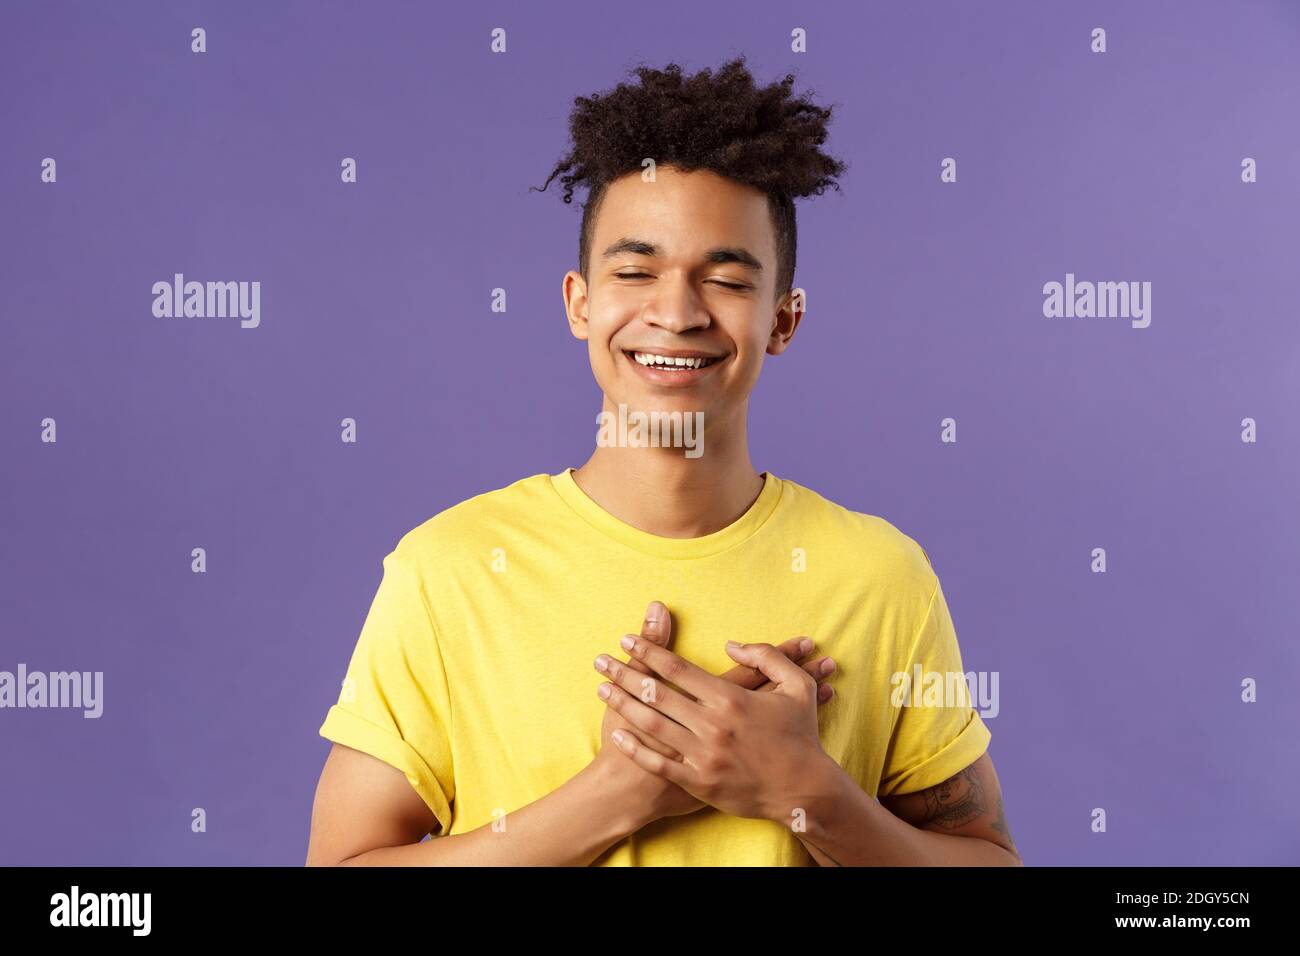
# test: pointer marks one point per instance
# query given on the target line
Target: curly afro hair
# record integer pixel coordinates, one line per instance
(762, 137)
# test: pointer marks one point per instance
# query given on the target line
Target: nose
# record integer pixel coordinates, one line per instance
(675, 305)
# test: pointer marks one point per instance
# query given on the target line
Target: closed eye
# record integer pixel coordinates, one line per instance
(643, 275)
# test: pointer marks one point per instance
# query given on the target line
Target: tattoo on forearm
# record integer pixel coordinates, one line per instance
(1000, 824)
(956, 801)
(963, 798)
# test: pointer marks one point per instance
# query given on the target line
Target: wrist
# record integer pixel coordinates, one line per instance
(809, 791)
(614, 801)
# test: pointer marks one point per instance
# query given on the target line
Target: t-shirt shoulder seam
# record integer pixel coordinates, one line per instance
(442, 668)
(911, 649)
(925, 619)
(412, 569)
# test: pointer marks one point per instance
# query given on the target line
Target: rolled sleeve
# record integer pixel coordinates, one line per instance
(394, 704)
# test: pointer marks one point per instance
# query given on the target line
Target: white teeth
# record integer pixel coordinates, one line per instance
(669, 361)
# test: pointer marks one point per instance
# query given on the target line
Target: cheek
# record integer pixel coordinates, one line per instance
(601, 358)
(602, 354)
(605, 320)
(755, 350)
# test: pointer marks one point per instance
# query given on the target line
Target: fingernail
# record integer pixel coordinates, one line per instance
(828, 665)
(603, 691)
(602, 663)
(618, 737)
(733, 644)
(628, 642)
(805, 645)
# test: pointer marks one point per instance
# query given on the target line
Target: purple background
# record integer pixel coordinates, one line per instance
(1118, 690)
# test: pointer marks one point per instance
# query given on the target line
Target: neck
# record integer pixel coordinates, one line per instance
(662, 492)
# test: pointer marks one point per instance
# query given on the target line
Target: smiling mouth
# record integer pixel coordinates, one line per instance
(672, 363)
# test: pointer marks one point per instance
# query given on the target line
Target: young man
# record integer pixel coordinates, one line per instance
(474, 706)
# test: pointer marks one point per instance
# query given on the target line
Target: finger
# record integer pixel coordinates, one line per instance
(797, 648)
(656, 628)
(691, 678)
(658, 746)
(778, 668)
(649, 690)
(819, 670)
(679, 772)
(647, 718)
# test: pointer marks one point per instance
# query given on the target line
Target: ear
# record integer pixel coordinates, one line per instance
(789, 313)
(574, 290)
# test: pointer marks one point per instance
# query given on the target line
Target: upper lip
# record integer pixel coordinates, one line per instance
(675, 353)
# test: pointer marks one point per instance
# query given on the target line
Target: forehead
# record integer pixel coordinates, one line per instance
(685, 212)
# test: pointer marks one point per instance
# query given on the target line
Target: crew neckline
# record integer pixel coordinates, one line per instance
(678, 548)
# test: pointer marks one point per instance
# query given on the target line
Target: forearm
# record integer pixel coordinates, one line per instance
(843, 825)
(570, 826)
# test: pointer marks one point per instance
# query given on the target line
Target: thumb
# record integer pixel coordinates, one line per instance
(657, 628)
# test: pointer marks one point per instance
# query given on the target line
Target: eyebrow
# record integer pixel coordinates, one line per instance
(640, 247)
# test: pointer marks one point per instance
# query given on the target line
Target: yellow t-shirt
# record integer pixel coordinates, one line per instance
(473, 671)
